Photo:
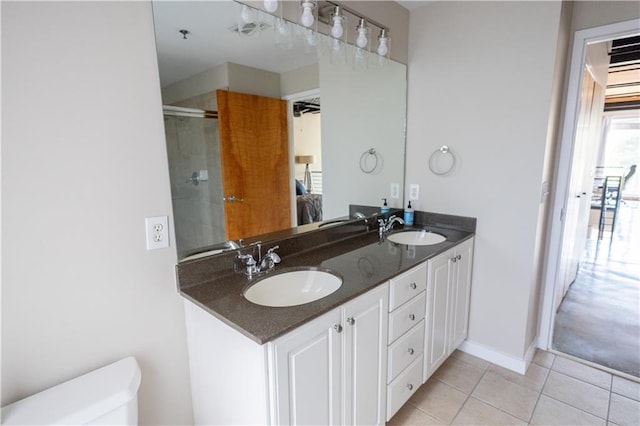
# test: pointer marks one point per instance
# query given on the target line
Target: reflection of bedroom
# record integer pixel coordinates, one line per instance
(308, 160)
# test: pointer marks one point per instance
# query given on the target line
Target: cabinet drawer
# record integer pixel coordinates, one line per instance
(406, 316)
(405, 350)
(405, 385)
(405, 286)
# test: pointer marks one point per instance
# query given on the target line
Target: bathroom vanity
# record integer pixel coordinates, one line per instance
(352, 357)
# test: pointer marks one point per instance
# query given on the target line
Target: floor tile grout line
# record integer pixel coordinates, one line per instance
(609, 401)
(540, 392)
(573, 406)
(470, 395)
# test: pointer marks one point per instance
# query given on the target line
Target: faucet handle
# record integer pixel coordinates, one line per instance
(273, 255)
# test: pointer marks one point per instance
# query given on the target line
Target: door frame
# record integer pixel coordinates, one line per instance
(563, 167)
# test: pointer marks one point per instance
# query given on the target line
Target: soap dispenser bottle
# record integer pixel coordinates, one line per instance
(408, 215)
(385, 207)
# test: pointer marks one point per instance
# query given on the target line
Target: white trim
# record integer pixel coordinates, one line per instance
(496, 357)
(564, 163)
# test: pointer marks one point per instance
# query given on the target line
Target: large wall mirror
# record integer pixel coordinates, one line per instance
(255, 110)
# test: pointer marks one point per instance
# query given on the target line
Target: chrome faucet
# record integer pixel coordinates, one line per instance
(247, 264)
(385, 226)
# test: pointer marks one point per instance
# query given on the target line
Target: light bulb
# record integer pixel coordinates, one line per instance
(270, 5)
(383, 49)
(337, 31)
(362, 40)
(307, 15)
(248, 15)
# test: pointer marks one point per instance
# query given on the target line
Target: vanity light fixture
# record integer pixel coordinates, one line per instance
(383, 42)
(363, 34)
(270, 5)
(308, 8)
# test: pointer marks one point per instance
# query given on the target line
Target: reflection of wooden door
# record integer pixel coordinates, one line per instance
(254, 152)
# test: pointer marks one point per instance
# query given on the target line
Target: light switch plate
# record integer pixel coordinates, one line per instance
(395, 191)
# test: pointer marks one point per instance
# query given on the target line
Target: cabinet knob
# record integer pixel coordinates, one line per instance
(410, 386)
(413, 286)
(351, 321)
(410, 351)
(412, 317)
(459, 257)
(338, 328)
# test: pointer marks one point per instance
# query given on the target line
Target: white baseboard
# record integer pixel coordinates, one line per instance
(518, 365)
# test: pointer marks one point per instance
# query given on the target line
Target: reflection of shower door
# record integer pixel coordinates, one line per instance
(254, 150)
(196, 189)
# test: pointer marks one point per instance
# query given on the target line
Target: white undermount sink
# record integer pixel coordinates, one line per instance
(416, 238)
(293, 288)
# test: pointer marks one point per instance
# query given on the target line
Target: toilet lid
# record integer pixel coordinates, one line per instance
(80, 400)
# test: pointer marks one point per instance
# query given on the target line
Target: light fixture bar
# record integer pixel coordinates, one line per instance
(354, 13)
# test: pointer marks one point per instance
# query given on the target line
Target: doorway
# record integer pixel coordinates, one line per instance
(572, 252)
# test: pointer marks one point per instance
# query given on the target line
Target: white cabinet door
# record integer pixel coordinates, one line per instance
(333, 369)
(437, 314)
(307, 373)
(365, 320)
(460, 292)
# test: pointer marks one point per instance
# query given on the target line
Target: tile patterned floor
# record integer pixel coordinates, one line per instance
(555, 391)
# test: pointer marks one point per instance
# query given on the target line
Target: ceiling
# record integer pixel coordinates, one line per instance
(623, 81)
(211, 41)
(413, 4)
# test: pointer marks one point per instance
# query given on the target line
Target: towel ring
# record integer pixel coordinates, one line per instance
(363, 161)
(437, 154)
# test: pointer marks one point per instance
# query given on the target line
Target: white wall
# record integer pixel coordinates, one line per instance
(481, 80)
(83, 163)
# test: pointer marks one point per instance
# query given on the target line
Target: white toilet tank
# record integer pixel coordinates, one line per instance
(106, 396)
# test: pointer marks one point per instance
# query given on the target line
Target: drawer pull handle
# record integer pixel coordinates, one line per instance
(338, 328)
(412, 317)
(413, 286)
(410, 351)
(351, 321)
(410, 386)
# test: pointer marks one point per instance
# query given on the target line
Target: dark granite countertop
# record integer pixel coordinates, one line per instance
(362, 260)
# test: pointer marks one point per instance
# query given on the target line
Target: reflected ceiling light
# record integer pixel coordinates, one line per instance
(383, 42)
(337, 20)
(363, 34)
(308, 6)
(248, 15)
(270, 5)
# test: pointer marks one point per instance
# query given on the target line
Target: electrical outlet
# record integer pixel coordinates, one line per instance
(395, 191)
(414, 191)
(157, 232)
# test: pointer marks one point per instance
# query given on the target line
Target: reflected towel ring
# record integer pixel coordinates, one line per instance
(443, 151)
(363, 160)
